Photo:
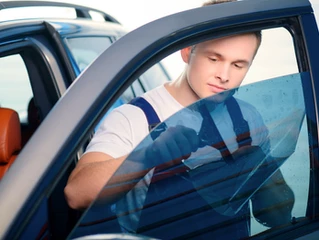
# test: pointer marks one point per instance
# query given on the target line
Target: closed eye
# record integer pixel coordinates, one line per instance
(213, 59)
(240, 66)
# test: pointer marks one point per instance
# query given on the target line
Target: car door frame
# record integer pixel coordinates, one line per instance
(49, 70)
(172, 33)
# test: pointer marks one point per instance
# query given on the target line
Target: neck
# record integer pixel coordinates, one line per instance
(181, 91)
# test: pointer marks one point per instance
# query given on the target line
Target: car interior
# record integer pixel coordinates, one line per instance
(19, 122)
(10, 138)
(14, 134)
(34, 121)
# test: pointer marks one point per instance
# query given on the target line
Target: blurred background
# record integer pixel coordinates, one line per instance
(133, 14)
(280, 59)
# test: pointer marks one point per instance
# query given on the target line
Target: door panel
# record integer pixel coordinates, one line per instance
(174, 32)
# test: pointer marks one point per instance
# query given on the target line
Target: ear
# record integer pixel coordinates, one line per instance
(186, 53)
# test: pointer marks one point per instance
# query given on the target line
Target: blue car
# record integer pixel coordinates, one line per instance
(281, 85)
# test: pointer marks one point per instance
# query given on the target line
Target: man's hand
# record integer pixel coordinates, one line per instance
(172, 146)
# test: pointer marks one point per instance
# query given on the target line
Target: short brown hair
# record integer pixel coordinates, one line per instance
(212, 2)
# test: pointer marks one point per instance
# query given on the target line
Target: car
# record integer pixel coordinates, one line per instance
(282, 85)
(41, 57)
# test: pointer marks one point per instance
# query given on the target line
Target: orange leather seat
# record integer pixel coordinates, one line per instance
(10, 138)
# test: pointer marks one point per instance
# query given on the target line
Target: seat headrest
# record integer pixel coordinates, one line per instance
(10, 134)
(33, 114)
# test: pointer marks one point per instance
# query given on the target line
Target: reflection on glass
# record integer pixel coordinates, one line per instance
(207, 192)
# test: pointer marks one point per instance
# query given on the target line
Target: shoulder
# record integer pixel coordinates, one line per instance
(127, 111)
(155, 93)
(132, 114)
(162, 101)
(127, 115)
(120, 131)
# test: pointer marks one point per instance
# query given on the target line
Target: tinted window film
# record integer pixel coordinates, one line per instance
(214, 192)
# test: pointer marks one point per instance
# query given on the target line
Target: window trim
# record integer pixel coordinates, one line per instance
(82, 120)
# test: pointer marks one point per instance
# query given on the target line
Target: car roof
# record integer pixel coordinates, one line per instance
(80, 23)
(72, 26)
(81, 11)
(169, 30)
(67, 27)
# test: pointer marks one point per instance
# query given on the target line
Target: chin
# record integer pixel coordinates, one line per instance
(220, 97)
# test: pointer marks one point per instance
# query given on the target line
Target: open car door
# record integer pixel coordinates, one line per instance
(286, 103)
(207, 192)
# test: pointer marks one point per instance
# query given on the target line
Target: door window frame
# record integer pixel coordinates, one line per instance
(152, 49)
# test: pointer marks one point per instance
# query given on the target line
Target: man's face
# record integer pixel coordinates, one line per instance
(218, 65)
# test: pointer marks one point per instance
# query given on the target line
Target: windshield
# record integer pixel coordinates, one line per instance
(213, 189)
(86, 49)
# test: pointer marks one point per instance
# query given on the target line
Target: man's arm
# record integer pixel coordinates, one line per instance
(89, 177)
(96, 170)
(93, 171)
(273, 202)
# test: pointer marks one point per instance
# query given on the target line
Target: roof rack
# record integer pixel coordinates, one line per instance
(81, 11)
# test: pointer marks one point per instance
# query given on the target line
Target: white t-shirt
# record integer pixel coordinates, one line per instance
(126, 127)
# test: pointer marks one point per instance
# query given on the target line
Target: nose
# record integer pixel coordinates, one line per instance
(222, 73)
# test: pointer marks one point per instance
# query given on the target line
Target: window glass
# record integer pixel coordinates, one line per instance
(15, 91)
(275, 102)
(136, 89)
(222, 186)
(215, 191)
(154, 77)
(275, 57)
(133, 91)
(85, 55)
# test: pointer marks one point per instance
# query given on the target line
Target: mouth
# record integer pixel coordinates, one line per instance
(216, 89)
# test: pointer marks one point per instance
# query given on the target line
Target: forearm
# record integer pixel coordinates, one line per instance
(89, 179)
(272, 204)
(115, 177)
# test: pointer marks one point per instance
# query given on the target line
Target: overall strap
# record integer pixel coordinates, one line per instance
(158, 191)
(151, 116)
(210, 134)
(240, 125)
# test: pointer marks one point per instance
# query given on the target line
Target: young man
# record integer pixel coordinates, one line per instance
(212, 67)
